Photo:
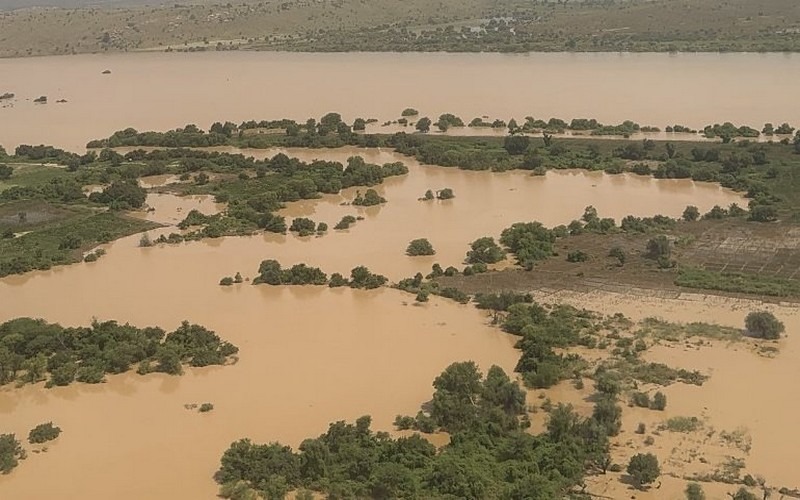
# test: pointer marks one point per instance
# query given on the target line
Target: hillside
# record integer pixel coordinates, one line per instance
(408, 25)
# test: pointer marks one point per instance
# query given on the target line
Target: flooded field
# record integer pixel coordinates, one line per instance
(312, 355)
(161, 91)
(308, 355)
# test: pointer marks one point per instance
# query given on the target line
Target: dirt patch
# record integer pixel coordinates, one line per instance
(731, 245)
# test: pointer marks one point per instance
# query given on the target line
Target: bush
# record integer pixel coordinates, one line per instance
(10, 452)
(226, 281)
(658, 248)
(763, 325)
(370, 198)
(644, 468)
(694, 492)
(691, 214)
(346, 222)
(445, 194)
(659, 401)
(43, 433)
(641, 428)
(420, 246)
(205, 407)
(618, 254)
(303, 226)
(640, 399)
(577, 256)
(485, 250)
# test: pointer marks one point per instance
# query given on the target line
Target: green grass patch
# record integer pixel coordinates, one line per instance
(738, 282)
(674, 332)
(681, 424)
(62, 242)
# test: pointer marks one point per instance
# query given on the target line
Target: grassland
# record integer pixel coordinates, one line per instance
(413, 25)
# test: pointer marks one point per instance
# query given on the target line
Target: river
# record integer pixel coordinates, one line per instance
(161, 91)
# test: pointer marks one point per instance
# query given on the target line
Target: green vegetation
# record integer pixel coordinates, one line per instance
(271, 273)
(11, 453)
(490, 454)
(756, 284)
(368, 199)
(644, 469)
(43, 433)
(420, 246)
(226, 281)
(659, 401)
(444, 194)
(682, 424)
(409, 112)
(485, 251)
(529, 242)
(303, 226)
(205, 408)
(763, 325)
(345, 223)
(694, 492)
(33, 350)
(61, 241)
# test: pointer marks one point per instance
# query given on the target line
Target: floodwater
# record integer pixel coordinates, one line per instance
(160, 91)
(746, 392)
(309, 355)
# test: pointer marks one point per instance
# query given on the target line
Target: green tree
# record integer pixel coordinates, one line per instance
(764, 325)
(516, 144)
(5, 172)
(644, 468)
(10, 452)
(359, 124)
(485, 250)
(420, 246)
(445, 194)
(659, 248)
(409, 112)
(455, 400)
(424, 125)
(691, 213)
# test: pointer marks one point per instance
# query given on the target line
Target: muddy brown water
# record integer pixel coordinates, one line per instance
(309, 355)
(160, 91)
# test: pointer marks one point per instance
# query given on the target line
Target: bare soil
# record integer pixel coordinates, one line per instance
(731, 245)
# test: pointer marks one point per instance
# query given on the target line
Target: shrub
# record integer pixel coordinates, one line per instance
(694, 492)
(659, 401)
(10, 452)
(445, 194)
(691, 213)
(205, 407)
(763, 325)
(485, 250)
(43, 433)
(618, 254)
(644, 468)
(226, 281)
(420, 246)
(641, 428)
(346, 222)
(368, 199)
(577, 256)
(640, 399)
(658, 248)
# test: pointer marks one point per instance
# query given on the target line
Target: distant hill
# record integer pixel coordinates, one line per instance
(21, 4)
